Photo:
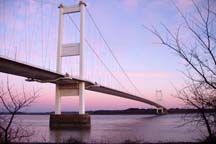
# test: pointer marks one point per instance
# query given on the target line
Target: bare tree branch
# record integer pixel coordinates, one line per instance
(12, 103)
(199, 55)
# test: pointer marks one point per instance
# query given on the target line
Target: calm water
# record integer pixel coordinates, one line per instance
(117, 128)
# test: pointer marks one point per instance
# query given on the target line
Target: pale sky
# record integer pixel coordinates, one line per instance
(28, 32)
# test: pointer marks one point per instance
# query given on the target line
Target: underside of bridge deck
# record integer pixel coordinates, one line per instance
(34, 73)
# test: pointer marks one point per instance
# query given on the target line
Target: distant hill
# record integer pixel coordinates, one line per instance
(130, 111)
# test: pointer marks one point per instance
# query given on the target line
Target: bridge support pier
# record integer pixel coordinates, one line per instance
(69, 121)
(160, 111)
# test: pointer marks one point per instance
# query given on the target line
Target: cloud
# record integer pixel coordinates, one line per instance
(184, 4)
(130, 4)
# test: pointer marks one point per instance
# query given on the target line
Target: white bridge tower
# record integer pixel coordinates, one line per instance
(71, 49)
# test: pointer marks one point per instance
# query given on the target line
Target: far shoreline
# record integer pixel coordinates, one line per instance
(130, 111)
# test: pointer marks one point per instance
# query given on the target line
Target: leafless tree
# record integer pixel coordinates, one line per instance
(197, 96)
(11, 103)
(194, 41)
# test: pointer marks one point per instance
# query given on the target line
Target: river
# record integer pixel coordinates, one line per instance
(117, 128)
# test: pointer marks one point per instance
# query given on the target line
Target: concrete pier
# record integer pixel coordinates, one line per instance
(69, 121)
(160, 111)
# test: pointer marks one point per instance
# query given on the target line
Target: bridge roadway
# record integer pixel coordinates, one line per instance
(34, 73)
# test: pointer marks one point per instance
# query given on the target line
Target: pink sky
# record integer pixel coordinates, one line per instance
(150, 66)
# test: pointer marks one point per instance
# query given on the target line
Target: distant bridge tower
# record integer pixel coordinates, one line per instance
(71, 49)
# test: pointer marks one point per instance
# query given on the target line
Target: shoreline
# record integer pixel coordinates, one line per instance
(130, 111)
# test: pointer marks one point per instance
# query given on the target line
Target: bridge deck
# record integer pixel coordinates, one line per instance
(34, 73)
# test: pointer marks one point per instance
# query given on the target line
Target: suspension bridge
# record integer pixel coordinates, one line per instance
(75, 82)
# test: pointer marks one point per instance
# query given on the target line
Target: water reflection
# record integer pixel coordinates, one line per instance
(117, 128)
(65, 135)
